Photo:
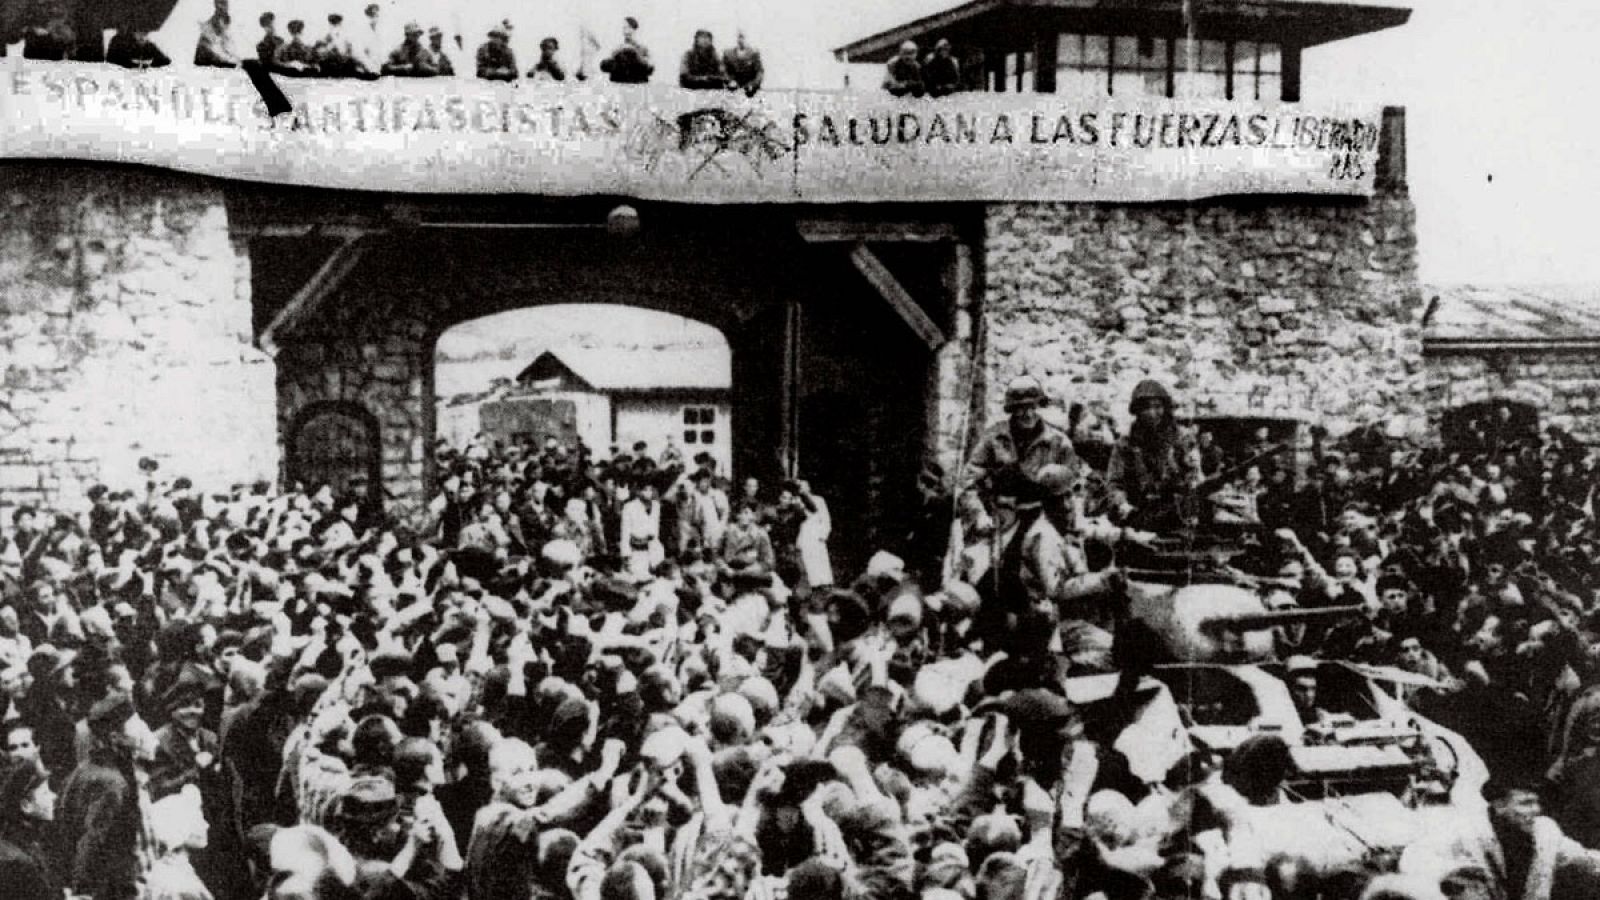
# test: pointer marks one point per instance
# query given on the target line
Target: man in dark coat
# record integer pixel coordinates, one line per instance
(133, 49)
(185, 751)
(48, 710)
(100, 818)
(702, 68)
(496, 61)
(941, 72)
(27, 808)
(744, 66)
(903, 75)
(630, 62)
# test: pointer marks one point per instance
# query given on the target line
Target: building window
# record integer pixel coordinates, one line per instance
(1206, 76)
(699, 425)
(1083, 64)
(1126, 66)
(1257, 71)
(1139, 67)
(1016, 73)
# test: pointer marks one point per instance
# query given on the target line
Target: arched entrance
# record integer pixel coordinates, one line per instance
(336, 443)
(825, 335)
(607, 376)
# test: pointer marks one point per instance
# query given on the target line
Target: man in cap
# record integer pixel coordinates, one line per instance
(548, 68)
(441, 57)
(411, 59)
(131, 48)
(370, 42)
(335, 55)
(185, 751)
(1524, 852)
(744, 67)
(496, 60)
(27, 813)
(267, 47)
(1302, 674)
(1153, 466)
(214, 47)
(702, 67)
(630, 62)
(903, 75)
(97, 817)
(1010, 455)
(941, 72)
(294, 56)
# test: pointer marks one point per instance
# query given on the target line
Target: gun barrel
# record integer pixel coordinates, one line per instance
(1279, 618)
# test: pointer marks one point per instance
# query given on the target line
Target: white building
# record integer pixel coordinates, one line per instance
(613, 398)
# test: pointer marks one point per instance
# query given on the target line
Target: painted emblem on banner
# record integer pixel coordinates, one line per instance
(713, 138)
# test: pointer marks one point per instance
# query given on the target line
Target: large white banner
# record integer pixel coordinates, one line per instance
(460, 135)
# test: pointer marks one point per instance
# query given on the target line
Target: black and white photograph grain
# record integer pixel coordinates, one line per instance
(799, 450)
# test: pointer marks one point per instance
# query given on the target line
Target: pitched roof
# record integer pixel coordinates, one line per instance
(1310, 22)
(642, 369)
(1464, 316)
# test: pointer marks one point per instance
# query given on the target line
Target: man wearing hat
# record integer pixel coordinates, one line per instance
(185, 751)
(441, 57)
(334, 55)
(496, 60)
(1302, 675)
(941, 72)
(411, 59)
(1524, 852)
(630, 62)
(1011, 454)
(548, 68)
(27, 812)
(97, 817)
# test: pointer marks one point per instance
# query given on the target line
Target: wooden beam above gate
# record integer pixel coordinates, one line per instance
(895, 294)
(317, 289)
(849, 231)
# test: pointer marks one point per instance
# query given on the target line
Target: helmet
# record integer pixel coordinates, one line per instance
(1024, 389)
(1149, 389)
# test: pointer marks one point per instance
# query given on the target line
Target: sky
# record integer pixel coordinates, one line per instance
(1500, 130)
(468, 353)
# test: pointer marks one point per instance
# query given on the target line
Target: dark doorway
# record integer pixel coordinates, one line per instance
(1489, 424)
(336, 444)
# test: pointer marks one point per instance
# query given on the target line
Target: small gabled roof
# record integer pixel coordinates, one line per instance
(612, 370)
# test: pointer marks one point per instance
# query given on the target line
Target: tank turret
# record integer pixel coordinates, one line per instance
(1218, 622)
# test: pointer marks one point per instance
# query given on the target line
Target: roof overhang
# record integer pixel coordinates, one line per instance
(1471, 346)
(999, 23)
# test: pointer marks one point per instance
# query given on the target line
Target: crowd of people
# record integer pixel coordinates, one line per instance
(632, 678)
(365, 52)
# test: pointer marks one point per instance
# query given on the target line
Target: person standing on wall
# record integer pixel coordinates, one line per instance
(630, 62)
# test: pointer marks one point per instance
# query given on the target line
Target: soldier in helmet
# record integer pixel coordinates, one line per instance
(1011, 454)
(1153, 466)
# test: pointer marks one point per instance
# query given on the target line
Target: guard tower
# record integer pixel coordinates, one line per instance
(1247, 50)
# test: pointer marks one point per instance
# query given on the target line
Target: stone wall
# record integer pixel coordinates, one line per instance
(1281, 306)
(1563, 385)
(125, 332)
(376, 353)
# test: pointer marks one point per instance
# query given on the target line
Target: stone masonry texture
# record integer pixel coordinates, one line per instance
(125, 332)
(1293, 307)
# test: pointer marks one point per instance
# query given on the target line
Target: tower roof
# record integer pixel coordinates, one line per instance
(1003, 22)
